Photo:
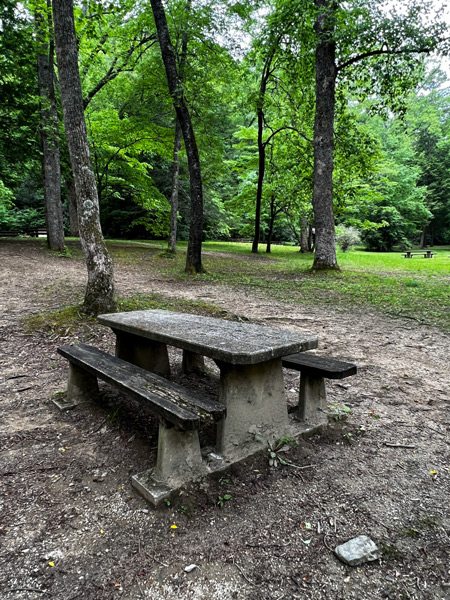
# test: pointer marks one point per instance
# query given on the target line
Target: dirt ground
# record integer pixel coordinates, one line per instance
(72, 527)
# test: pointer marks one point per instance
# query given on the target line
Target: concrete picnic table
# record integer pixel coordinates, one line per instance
(248, 356)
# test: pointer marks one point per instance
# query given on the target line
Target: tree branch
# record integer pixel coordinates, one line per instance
(274, 133)
(359, 57)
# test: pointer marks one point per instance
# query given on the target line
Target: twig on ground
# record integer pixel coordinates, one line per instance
(298, 467)
(243, 574)
(97, 428)
(325, 543)
(395, 445)
(26, 589)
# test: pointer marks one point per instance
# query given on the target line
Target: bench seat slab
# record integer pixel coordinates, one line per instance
(168, 400)
(319, 366)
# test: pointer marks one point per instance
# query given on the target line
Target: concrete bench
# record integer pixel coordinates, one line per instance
(9, 233)
(314, 370)
(180, 411)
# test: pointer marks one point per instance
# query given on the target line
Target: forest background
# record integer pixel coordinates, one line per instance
(248, 72)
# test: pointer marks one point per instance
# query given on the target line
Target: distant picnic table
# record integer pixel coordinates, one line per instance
(424, 253)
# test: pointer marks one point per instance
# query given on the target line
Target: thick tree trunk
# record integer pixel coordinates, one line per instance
(325, 246)
(72, 206)
(194, 251)
(49, 130)
(175, 188)
(99, 295)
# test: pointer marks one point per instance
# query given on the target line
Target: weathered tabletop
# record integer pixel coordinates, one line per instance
(249, 357)
(228, 341)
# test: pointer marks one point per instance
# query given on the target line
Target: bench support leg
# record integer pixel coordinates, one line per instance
(179, 461)
(312, 399)
(80, 386)
(143, 353)
(256, 404)
(179, 455)
(193, 363)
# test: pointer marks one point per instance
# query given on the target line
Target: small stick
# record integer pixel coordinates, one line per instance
(243, 574)
(392, 445)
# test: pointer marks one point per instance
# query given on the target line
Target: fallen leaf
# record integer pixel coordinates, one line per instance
(173, 526)
(51, 564)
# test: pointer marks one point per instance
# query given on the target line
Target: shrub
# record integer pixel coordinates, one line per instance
(347, 237)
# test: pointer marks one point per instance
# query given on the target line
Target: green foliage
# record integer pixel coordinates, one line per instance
(338, 411)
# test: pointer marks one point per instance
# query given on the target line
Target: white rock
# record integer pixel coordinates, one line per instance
(357, 551)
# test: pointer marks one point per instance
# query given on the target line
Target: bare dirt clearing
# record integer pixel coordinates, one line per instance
(72, 527)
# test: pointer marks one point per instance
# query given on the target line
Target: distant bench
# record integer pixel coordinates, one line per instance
(314, 370)
(426, 254)
(34, 232)
(10, 233)
(179, 409)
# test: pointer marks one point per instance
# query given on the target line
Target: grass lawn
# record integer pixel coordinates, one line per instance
(417, 288)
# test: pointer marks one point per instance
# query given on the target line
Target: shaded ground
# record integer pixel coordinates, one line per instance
(72, 527)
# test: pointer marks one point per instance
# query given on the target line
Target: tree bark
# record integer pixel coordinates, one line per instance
(259, 187)
(325, 246)
(177, 143)
(49, 131)
(72, 206)
(423, 238)
(304, 230)
(175, 188)
(99, 295)
(194, 251)
(261, 147)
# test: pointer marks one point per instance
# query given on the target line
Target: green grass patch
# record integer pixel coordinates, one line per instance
(71, 319)
(59, 322)
(155, 301)
(416, 288)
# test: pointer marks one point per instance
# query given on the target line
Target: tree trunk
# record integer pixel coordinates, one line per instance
(261, 146)
(175, 188)
(177, 143)
(194, 251)
(72, 206)
(304, 230)
(325, 246)
(311, 239)
(99, 295)
(49, 131)
(423, 238)
(261, 170)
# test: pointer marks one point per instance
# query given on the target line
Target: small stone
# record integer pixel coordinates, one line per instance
(190, 568)
(54, 555)
(357, 551)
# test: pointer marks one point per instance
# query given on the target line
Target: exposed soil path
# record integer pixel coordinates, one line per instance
(71, 526)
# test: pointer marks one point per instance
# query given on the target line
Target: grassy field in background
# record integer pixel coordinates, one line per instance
(416, 288)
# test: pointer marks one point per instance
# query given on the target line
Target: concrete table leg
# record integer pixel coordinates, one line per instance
(312, 399)
(256, 404)
(193, 363)
(179, 460)
(143, 352)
